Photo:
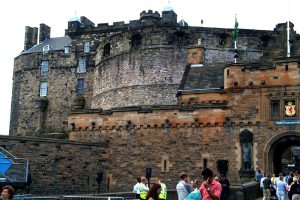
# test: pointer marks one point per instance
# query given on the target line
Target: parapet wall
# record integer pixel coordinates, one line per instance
(282, 73)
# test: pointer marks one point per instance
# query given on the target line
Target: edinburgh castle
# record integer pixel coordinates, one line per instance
(154, 94)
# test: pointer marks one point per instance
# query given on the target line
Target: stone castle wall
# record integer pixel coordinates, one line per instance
(144, 67)
(62, 80)
(59, 166)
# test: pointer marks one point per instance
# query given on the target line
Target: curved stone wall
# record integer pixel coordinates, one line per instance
(143, 77)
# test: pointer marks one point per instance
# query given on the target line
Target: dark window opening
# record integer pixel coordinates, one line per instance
(80, 87)
(108, 183)
(275, 109)
(136, 40)
(165, 165)
(204, 163)
(106, 50)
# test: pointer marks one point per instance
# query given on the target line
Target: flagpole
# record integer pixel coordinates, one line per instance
(235, 34)
(235, 50)
(288, 33)
(288, 40)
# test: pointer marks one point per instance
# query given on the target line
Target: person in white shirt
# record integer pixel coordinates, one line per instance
(183, 188)
(280, 188)
(136, 188)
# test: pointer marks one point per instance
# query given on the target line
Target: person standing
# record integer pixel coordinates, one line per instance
(273, 179)
(266, 188)
(210, 188)
(163, 190)
(136, 187)
(7, 192)
(143, 188)
(195, 195)
(295, 189)
(280, 188)
(154, 192)
(183, 188)
(259, 176)
(225, 187)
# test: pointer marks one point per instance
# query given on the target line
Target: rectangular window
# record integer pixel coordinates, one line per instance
(67, 50)
(43, 89)
(86, 47)
(46, 48)
(81, 66)
(80, 87)
(275, 110)
(44, 68)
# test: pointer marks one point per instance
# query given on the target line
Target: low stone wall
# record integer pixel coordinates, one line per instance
(59, 166)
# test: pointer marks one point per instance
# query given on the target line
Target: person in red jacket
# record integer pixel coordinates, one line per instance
(210, 188)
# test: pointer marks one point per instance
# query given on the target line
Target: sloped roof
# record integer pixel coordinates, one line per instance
(206, 77)
(55, 44)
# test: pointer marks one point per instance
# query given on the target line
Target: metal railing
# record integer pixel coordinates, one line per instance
(12, 169)
(70, 197)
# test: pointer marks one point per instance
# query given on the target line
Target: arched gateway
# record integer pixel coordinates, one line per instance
(275, 149)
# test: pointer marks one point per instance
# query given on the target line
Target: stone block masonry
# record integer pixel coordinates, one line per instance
(59, 166)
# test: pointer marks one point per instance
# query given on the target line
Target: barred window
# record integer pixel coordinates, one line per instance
(43, 89)
(44, 68)
(81, 66)
(80, 87)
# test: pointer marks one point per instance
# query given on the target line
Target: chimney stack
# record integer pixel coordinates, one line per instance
(31, 35)
(44, 32)
(196, 53)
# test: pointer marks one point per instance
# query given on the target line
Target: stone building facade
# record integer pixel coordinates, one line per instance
(165, 95)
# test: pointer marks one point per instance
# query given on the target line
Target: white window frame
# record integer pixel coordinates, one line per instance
(46, 48)
(44, 67)
(43, 89)
(86, 47)
(67, 50)
(81, 66)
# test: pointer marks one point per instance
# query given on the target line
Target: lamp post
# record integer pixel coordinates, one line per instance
(148, 174)
(99, 180)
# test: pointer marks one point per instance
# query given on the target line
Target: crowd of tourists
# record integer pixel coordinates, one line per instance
(281, 187)
(211, 188)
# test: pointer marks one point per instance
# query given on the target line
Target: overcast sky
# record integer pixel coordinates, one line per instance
(16, 14)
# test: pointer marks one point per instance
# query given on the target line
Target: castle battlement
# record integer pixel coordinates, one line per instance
(149, 14)
(254, 75)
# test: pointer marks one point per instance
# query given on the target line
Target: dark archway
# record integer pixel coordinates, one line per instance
(275, 149)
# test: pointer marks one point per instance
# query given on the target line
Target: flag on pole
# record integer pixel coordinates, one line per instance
(235, 31)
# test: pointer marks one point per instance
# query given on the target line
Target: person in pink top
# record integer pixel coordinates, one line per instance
(210, 188)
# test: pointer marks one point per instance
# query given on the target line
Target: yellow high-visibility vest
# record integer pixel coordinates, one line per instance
(163, 191)
(143, 195)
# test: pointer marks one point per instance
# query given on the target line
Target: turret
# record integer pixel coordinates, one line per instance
(234, 76)
(150, 18)
(169, 17)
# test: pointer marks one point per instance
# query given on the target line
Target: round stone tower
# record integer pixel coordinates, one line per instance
(142, 70)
